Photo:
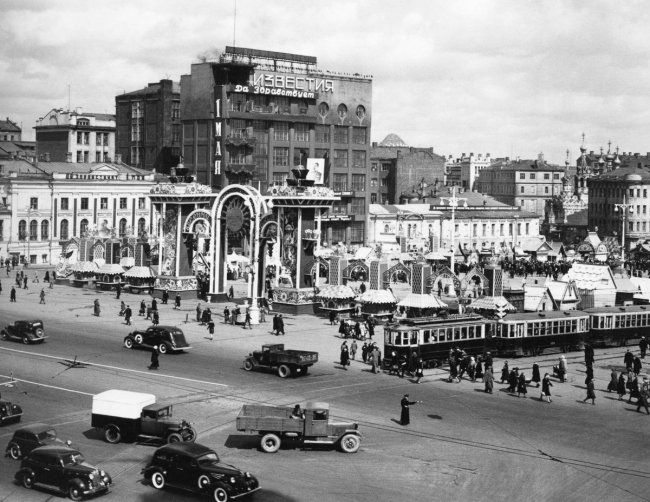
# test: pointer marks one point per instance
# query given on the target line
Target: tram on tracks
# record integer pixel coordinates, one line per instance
(432, 338)
(531, 333)
(618, 325)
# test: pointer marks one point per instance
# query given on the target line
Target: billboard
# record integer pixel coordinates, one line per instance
(316, 168)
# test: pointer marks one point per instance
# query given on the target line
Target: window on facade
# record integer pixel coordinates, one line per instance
(358, 206)
(384, 182)
(545, 189)
(281, 156)
(322, 134)
(238, 128)
(281, 131)
(341, 135)
(123, 203)
(80, 157)
(356, 231)
(522, 189)
(501, 229)
(373, 182)
(338, 233)
(323, 109)
(374, 167)
(556, 176)
(239, 156)
(340, 158)
(361, 111)
(475, 230)
(532, 176)
(509, 228)
(22, 230)
(135, 156)
(33, 230)
(176, 109)
(279, 178)
(142, 226)
(373, 200)
(83, 122)
(86, 157)
(83, 227)
(176, 133)
(340, 183)
(385, 167)
(493, 226)
(63, 234)
(45, 230)
(84, 203)
(484, 229)
(339, 208)
(547, 176)
(359, 158)
(631, 192)
(518, 228)
(122, 227)
(522, 176)
(301, 133)
(136, 129)
(359, 182)
(638, 192)
(64, 204)
(98, 156)
(103, 203)
(141, 203)
(359, 135)
(527, 228)
(342, 110)
(33, 203)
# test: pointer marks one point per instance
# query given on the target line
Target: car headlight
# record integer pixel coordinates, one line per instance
(247, 474)
(232, 480)
(81, 485)
(91, 476)
(102, 473)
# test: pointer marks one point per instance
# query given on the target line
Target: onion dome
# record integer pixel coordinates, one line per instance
(602, 160)
(583, 148)
(617, 161)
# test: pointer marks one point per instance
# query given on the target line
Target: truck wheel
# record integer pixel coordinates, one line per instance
(28, 480)
(350, 443)
(14, 452)
(191, 435)
(175, 438)
(163, 348)
(39, 333)
(128, 343)
(270, 443)
(25, 339)
(5, 335)
(284, 371)
(75, 493)
(138, 339)
(158, 480)
(248, 365)
(112, 435)
(220, 495)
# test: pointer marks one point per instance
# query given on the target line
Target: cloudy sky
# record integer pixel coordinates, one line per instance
(505, 77)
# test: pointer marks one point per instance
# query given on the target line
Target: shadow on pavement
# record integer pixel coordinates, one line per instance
(242, 442)
(396, 421)
(95, 434)
(435, 417)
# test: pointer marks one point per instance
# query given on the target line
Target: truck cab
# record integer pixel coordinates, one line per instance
(157, 419)
(264, 356)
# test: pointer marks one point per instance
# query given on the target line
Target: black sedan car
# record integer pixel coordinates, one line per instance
(62, 469)
(197, 468)
(9, 413)
(31, 437)
(26, 331)
(166, 338)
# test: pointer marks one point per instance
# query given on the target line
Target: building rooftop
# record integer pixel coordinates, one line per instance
(9, 126)
(98, 116)
(87, 168)
(578, 219)
(523, 165)
(622, 173)
(393, 140)
(152, 89)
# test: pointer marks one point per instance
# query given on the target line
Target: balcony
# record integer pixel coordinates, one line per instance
(240, 168)
(241, 141)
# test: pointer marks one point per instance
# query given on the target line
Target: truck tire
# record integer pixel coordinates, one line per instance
(128, 343)
(284, 371)
(191, 437)
(112, 434)
(158, 480)
(39, 333)
(350, 443)
(248, 365)
(270, 443)
(5, 335)
(25, 339)
(220, 495)
(174, 438)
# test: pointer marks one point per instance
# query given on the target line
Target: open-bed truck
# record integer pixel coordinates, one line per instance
(274, 424)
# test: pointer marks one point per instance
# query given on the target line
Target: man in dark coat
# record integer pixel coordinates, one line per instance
(275, 324)
(154, 305)
(628, 359)
(156, 319)
(332, 316)
(371, 327)
(488, 361)
(637, 366)
(118, 290)
(177, 301)
(165, 296)
(127, 315)
(405, 419)
(143, 308)
(12, 295)
(25, 283)
(589, 355)
(154, 358)
(643, 346)
(280, 325)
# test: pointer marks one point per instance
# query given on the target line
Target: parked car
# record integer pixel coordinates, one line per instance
(287, 362)
(131, 415)
(9, 413)
(31, 437)
(62, 469)
(197, 468)
(27, 331)
(166, 338)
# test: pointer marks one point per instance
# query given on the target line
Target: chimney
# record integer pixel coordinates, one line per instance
(46, 157)
(374, 144)
(518, 158)
(68, 157)
(118, 158)
(78, 110)
(540, 157)
(591, 152)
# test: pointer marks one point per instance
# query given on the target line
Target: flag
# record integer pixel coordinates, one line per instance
(326, 171)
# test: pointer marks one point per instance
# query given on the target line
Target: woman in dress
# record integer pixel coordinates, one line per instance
(479, 368)
(521, 385)
(345, 356)
(536, 377)
(546, 388)
(591, 392)
(620, 388)
(505, 373)
(489, 380)
(612, 386)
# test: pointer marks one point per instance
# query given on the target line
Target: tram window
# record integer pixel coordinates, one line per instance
(456, 333)
(471, 331)
(601, 322)
(450, 334)
(426, 336)
(520, 330)
(561, 328)
(555, 327)
(479, 331)
(387, 337)
(463, 333)
(643, 319)
(398, 338)
(574, 325)
(529, 329)
(440, 335)
(511, 329)
(627, 321)
(608, 322)
(617, 321)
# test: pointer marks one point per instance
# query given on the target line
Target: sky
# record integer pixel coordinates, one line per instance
(508, 77)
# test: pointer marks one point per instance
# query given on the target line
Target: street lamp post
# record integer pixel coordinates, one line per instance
(624, 208)
(453, 203)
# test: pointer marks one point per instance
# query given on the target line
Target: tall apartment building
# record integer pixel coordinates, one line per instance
(149, 126)
(396, 168)
(10, 131)
(464, 171)
(253, 115)
(74, 136)
(523, 183)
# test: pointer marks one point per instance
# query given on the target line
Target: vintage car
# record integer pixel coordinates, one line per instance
(276, 358)
(31, 437)
(9, 413)
(166, 338)
(62, 469)
(27, 331)
(197, 468)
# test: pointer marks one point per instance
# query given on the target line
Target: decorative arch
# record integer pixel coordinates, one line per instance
(97, 251)
(310, 268)
(354, 266)
(396, 269)
(472, 274)
(442, 272)
(198, 221)
(127, 251)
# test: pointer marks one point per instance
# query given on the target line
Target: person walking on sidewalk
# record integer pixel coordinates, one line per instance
(353, 349)
(612, 386)
(177, 301)
(621, 387)
(280, 325)
(118, 290)
(546, 388)
(405, 417)
(25, 283)
(127, 315)
(419, 370)
(643, 346)
(643, 398)
(226, 316)
(521, 385)
(489, 380)
(165, 296)
(42, 295)
(97, 309)
(198, 314)
(636, 364)
(536, 376)
(156, 319)
(231, 293)
(591, 392)
(12, 295)
(143, 308)
(628, 360)
(149, 311)
(247, 319)
(345, 356)
(211, 329)
(154, 358)
(154, 305)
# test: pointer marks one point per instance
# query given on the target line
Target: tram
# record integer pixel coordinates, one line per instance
(531, 333)
(617, 325)
(432, 338)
